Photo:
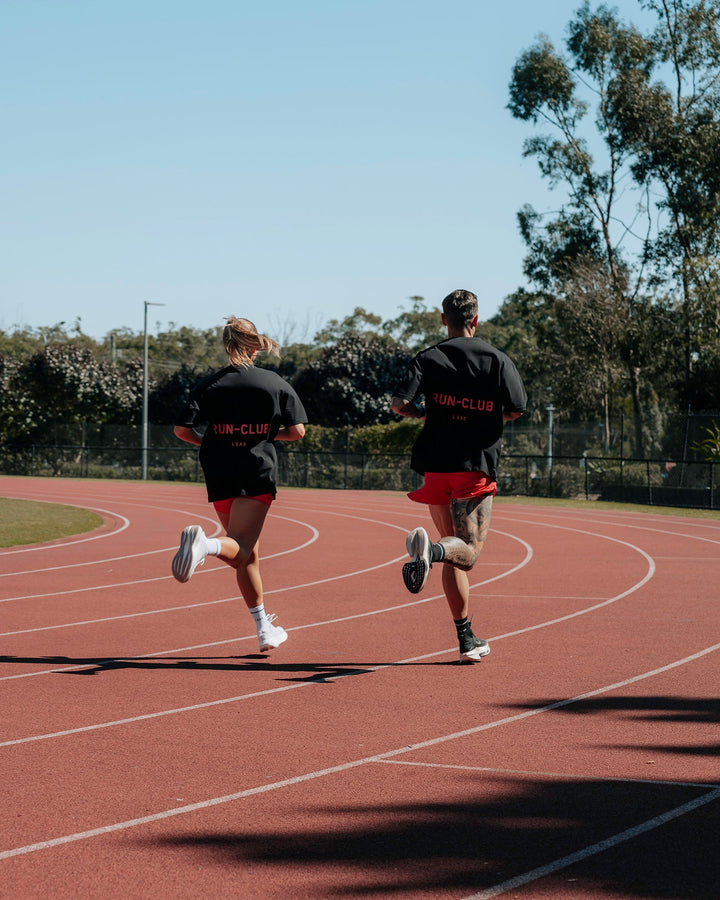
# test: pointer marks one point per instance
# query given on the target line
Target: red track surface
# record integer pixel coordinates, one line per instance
(148, 750)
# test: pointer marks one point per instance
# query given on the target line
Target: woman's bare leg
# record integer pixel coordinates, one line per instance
(240, 547)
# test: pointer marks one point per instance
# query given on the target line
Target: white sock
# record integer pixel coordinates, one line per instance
(213, 546)
(258, 614)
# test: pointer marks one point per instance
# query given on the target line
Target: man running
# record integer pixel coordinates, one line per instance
(470, 389)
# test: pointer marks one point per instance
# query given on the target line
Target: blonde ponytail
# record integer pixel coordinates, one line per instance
(242, 341)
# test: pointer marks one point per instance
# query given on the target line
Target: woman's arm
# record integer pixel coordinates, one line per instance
(187, 434)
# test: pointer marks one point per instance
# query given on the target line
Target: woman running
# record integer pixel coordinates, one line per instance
(245, 410)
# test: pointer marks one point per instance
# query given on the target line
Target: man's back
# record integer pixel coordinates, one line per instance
(468, 385)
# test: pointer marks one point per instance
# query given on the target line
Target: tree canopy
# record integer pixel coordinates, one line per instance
(621, 310)
(633, 144)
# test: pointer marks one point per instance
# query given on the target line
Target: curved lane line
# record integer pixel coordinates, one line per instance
(511, 571)
(413, 603)
(378, 757)
(637, 527)
(103, 587)
(85, 540)
(109, 559)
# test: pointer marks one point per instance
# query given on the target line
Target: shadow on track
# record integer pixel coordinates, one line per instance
(662, 709)
(503, 828)
(252, 662)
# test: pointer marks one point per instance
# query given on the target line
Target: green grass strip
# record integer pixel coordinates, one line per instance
(30, 522)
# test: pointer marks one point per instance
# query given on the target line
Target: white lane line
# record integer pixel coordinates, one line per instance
(103, 587)
(527, 629)
(503, 574)
(282, 590)
(213, 571)
(593, 849)
(314, 532)
(638, 526)
(559, 704)
(89, 562)
(156, 715)
(581, 612)
(125, 523)
(563, 776)
(112, 559)
(400, 751)
(135, 615)
(362, 615)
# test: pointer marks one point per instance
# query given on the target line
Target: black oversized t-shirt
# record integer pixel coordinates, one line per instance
(243, 408)
(468, 384)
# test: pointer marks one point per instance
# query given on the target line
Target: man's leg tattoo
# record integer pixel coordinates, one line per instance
(471, 523)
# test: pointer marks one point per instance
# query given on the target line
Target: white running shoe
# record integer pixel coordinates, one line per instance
(417, 572)
(271, 636)
(191, 554)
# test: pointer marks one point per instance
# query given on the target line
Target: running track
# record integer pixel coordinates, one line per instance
(148, 750)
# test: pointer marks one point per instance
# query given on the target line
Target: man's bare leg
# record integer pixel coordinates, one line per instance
(463, 528)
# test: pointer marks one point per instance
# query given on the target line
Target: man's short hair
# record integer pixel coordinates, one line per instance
(460, 308)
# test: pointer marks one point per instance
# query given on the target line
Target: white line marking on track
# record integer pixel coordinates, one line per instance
(135, 615)
(389, 754)
(84, 540)
(637, 526)
(565, 776)
(529, 628)
(503, 574)
(593, 849)
(282, 590)
(559, 704)
(527, 558)
(102, 587)
(214, 571)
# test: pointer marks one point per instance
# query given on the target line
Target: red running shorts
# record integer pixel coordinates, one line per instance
(442, 487)
(223, 506)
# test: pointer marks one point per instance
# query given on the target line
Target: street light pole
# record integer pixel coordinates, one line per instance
(550, 411)
(145, 395)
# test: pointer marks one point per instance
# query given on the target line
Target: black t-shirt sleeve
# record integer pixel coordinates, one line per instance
(514, 397)
(292, 411)
(191, 415)
(410, 386)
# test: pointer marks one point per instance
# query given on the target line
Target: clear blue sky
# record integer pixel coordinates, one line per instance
(285, 161)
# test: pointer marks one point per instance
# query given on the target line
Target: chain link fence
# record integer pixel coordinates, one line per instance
(650, 481)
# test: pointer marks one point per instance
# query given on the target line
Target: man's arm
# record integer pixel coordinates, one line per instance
(291, 432)
(511, 416)
(408, 408)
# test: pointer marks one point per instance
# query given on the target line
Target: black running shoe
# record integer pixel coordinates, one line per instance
(472, 648)
(416, 572)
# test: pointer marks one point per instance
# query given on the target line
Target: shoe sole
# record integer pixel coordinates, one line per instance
(267, 645)
(474, 655)
(182, 564)
(416, 572)
(415, 575)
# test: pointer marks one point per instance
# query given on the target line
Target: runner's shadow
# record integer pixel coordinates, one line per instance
(313, 672)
